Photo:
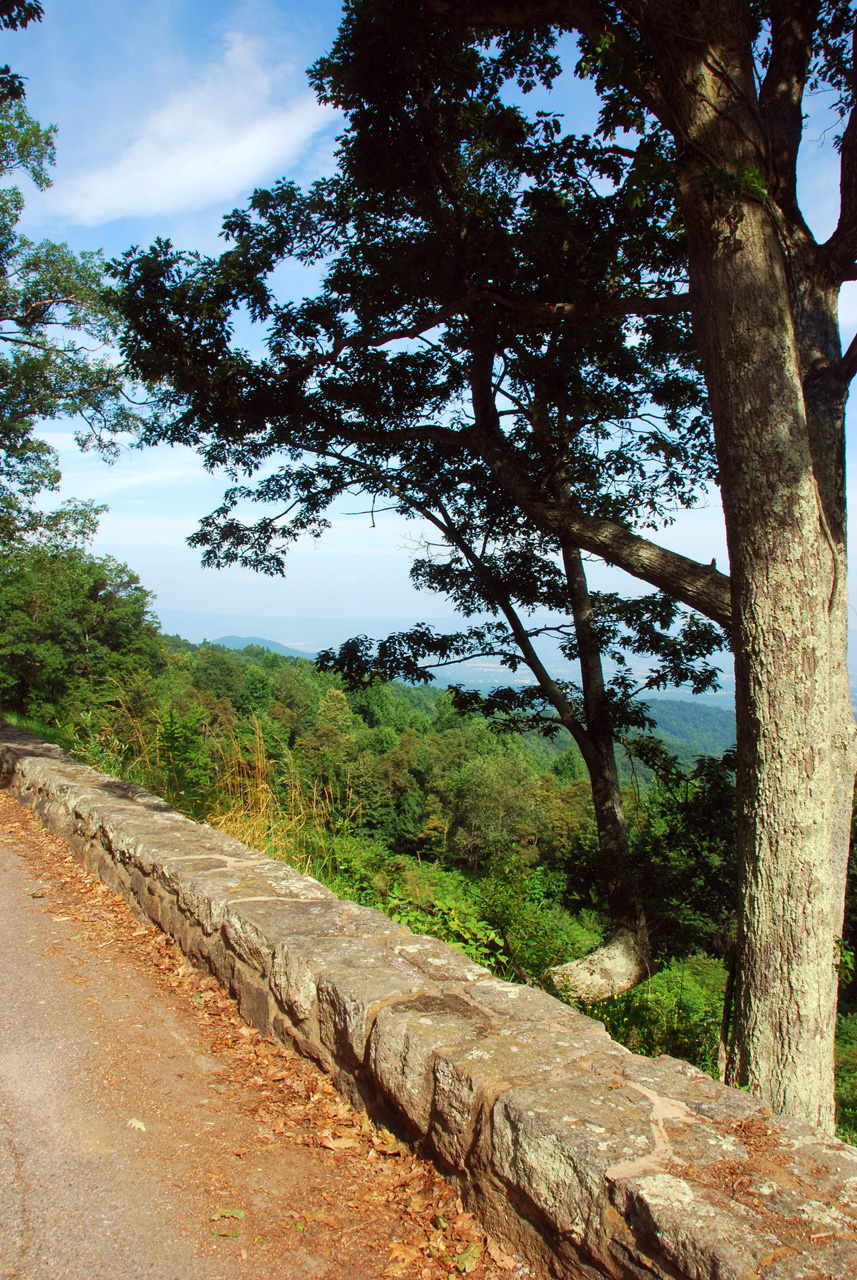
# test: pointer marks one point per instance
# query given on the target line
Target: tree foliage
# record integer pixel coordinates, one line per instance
(57, 358)
(504, 296)
(605, 418)
(404, 377)
(15, 14)
(76, 629)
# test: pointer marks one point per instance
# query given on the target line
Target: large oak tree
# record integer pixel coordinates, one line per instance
(404, 409)
(725, 80)
(454, 220)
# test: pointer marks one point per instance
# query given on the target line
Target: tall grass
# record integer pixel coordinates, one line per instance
(266, 804)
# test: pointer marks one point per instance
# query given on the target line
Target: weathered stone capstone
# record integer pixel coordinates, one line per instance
(587, 1160)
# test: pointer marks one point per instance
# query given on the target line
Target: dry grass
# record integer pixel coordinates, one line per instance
(267, 805)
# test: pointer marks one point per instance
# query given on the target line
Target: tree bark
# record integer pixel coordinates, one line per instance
(794, 722)
(625, 959)
(784, 507)
(623, 890)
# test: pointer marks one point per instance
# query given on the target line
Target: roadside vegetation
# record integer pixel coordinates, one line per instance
(393, 798)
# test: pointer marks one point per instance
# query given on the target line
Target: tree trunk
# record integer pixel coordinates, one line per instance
(625, 958)
(784, 509)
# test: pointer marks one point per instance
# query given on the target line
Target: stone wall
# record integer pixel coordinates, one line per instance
(585, 1159)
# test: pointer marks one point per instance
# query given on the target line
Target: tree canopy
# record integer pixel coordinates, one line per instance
(384, 384)
(473, 257)
(57, 331)
(15, 14)
(506, 296)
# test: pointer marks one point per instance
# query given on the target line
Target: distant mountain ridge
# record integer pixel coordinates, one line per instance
(241, 642)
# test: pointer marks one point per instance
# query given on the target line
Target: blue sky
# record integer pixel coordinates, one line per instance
(169, 114)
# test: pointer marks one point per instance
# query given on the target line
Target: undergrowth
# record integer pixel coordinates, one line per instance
(508, 919)
(677, 1011)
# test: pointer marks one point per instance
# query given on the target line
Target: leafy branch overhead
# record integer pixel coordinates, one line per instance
(58, 356)
(458, 296)
(15, 14)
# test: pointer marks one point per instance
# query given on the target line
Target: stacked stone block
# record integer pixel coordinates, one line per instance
(585, 1159)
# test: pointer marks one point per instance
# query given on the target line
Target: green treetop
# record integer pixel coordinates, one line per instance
(57, 354)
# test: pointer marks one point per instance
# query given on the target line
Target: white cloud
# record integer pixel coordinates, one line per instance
(209, 142)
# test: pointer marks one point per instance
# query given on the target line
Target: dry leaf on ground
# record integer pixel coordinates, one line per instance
(499, 1256)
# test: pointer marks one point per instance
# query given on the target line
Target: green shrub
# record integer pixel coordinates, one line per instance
(846, 1077)
(522, 900)
(678, 1011)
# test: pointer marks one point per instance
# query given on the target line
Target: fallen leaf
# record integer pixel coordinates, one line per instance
(133, 1123)
(388, 1144)
(503, 1260)
(464, 1226)
(403, 1252)
(227, 1213)
(468, 1259)
(437, 1248)
(338, 1144)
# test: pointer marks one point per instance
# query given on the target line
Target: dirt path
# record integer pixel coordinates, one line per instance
(146, 1132)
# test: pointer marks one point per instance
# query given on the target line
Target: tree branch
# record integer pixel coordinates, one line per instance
(669, 305)
(701, 587)
(39, 343)
(43, 305)
(550, 312)
(841, 249)
(509, 13)
(523, 638)
(586, 16)
(847, 367)
(781, 95)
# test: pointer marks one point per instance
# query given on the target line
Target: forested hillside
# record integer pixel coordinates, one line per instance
(388, 791)
(391, 796)
(691, 729)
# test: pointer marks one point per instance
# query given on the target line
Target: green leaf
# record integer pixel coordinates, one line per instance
(468, 1259)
